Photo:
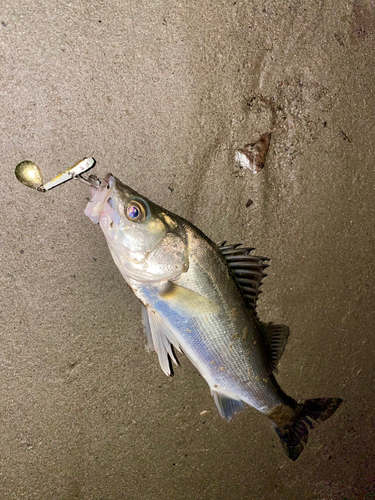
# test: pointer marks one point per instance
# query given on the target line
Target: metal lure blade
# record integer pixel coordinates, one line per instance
(29, 174)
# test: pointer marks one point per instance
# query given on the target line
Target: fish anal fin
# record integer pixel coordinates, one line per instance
(227, 406)
(276, 337)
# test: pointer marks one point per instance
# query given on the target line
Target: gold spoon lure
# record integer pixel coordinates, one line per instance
(30, 175)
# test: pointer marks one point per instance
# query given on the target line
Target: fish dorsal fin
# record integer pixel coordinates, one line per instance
(159, 338)
(248, 270)
(227, 406)
(276, 337)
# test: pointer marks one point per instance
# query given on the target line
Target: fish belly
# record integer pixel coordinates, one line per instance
(222, 340)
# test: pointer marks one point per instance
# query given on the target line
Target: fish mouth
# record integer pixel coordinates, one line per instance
(97, 204)
(110, 180)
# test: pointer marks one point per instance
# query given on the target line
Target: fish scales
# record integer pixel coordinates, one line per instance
(225, 341)
(233, 331)
(201, 300)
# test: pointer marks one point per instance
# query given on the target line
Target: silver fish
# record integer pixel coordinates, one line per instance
(200, 298)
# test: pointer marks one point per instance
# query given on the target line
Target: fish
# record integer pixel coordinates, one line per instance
(199, 298)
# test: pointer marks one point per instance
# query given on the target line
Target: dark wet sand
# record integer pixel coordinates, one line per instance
(162, 94)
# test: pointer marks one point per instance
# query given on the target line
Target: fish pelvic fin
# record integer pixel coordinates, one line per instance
(147, 329)
(292, 423)
(160, 338)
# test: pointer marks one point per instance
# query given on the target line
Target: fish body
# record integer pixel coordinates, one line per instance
(199, 298)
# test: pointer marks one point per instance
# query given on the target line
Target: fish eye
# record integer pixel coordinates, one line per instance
(135, 211)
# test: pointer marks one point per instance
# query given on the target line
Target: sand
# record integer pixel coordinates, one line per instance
(162, 94)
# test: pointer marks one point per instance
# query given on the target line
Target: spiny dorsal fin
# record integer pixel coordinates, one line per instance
(247, 269)
(276, 337)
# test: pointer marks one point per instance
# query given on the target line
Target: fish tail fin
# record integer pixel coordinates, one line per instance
(292, 423)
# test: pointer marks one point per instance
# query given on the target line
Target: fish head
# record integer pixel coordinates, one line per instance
(147, 242)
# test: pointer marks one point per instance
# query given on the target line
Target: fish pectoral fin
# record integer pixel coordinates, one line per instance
(160, 338)
(276, 337)
(188, 301)
(227, 406)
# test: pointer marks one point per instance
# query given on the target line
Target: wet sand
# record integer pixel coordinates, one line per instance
(162, 94)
